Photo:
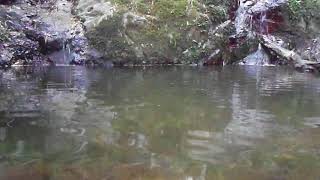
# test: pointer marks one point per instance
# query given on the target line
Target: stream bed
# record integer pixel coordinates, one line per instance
(187, 123)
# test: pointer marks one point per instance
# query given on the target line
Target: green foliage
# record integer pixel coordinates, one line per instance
(164, 9)
(306, 9)
(121, 2)
(218, 14)
(154, 32)
(295, 6)
(3, 33)
(143, 6)
(162, 33)
(170, 8)
(195, 53)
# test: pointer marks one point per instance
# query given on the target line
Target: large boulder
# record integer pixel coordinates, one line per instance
(163, 32)
(93, 12)
(48, 31)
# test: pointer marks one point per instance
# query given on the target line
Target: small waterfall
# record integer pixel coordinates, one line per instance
(255, 18)
(62, 57)
(252, 16)
(262, 26)
(67, 29)
(241, 17)
(263, 23)
(66, 52)
(251, 23)
(258, 58)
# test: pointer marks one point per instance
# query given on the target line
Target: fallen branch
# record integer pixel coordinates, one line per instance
(221, 27)
(289, 55)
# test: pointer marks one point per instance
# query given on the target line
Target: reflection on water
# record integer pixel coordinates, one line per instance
(66, 123)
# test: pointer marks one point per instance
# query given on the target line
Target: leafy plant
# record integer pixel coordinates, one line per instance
(295, 6)
(306, 9)
(3, 33)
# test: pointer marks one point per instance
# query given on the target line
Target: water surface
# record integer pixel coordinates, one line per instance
(65, 123)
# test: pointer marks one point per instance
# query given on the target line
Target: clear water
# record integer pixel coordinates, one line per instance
(71, 123)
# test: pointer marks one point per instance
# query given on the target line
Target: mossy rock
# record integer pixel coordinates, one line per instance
(108, 39)
(170, 28)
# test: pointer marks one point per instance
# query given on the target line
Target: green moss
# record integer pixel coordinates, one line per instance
(166, 9)
(154, 32)
(144, 7)
(163, 9)
(165, 34)
(294, 6)
(195, 53)
(121, 2)
(218, 14)
(108, 38)
(173, 26)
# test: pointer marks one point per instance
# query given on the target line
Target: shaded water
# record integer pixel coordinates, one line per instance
(65, 123)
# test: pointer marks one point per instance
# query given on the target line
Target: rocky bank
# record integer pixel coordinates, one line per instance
(149, 32)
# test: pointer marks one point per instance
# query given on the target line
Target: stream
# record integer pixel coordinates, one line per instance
(190, 123)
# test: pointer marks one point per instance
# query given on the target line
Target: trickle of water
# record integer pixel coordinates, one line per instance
(241, 17)
(66, 51)
(258, 58)
(263, 27)
(251, 23)
(45, 39)
(63, 51)
(69, 49)
(3, 133)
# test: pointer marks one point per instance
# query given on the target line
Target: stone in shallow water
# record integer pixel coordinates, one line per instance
(313, 122)
(3, 133)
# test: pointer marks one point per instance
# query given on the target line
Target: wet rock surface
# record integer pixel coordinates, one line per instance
(277, 22)
(41, 32)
